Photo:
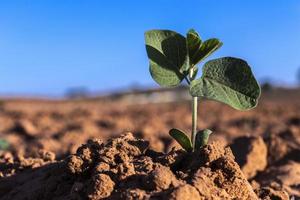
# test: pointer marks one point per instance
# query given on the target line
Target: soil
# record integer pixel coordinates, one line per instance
(64, 150)
(125, 168)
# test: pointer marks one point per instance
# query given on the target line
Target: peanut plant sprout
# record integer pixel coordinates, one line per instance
(174, 58)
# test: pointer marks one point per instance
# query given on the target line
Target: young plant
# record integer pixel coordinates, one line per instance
(174, 58)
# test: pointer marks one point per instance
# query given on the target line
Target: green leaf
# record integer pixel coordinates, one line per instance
(182, 139)
(206, 49)
(202, 138)
(168, 56)
(228, 80)
(193, 44)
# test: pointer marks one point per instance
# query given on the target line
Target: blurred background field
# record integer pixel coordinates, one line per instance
(62, 125)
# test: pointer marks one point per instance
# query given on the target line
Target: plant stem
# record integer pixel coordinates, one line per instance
(194, 111)
(194, 120)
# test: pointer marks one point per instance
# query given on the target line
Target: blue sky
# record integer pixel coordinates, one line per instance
(51, 45)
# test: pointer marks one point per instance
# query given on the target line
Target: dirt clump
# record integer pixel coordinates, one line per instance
(10, 165)
(285, 177)
(218, 176)
(101, 186)
(161, 178)
(284, 146)
(268, 193)
(184, 192)
(126, 168)
(251, 154)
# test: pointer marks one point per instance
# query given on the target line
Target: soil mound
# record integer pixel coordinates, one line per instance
(126, 168)
(285, 177)
(251, 154)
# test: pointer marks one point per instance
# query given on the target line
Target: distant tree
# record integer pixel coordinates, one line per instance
(77, 93)
(266, 87)
(266, 84)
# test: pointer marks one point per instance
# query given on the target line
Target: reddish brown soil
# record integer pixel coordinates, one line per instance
(264, 141)
(125, 168)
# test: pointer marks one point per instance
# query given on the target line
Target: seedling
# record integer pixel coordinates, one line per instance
(174, 58)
